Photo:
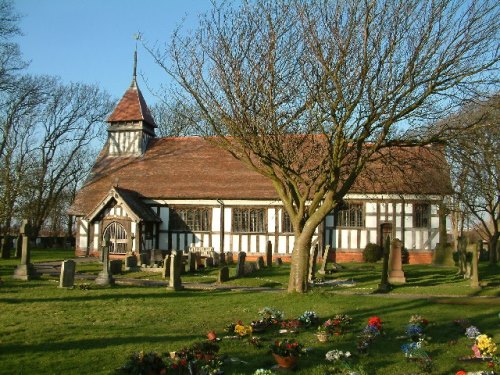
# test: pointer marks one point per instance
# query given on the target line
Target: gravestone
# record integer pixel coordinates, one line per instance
(324, 260)
(208, 262)
(104, 278)
(260, 263)
(191, 262)
(131, 263)
(443, 255)
(115, 266)
(269, 254)
(248, 268)
(222, 258)
(240, 265)
(223, 275)
(143, 259)
(462, 255)
(396, 274)
(384, 285)
(19, 246)
(67, 278)
(216, 257)
(313, 256)
(152, 258)
(198, 263)
(229, 258)
(25, 271)
(175, 281)
(474, 280)
(166, 267)
(468, 262)
(278, 262)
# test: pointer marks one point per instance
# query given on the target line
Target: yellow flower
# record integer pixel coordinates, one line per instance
(243, 330)
(486, 345)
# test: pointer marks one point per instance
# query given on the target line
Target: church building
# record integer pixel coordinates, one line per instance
(146, 193)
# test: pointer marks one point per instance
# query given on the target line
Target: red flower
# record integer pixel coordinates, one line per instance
(491, 364)
(461, 372)
(425, 322)
(375, 321)
(183, 362)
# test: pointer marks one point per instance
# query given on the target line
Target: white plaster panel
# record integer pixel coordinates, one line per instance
(408, 239)
(435, 222)
(345, 237)
(434, 238)
(408, 208)
(370, 208)
(253, 244)
(282, 245)
(382, 208)
(408, 221)
(83, 241)
(244, 243)
(227, 219)
(216, 219)
(216, 243)
(371, 221)
(354, 238)
(389, 208)
(374, 236)
(363, 239)
(434, 209)
(271, 220)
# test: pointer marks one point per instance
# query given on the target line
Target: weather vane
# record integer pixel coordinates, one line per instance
(137, 37)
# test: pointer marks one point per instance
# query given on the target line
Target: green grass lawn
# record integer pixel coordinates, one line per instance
(48, 330)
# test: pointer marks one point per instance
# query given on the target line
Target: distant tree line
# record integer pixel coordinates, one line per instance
(47, 130)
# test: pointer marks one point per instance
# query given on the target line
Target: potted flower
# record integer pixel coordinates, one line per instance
(211, 335)
(322, 333)
(286, 352)
(308, 318)
(484, 347)
(204, 350)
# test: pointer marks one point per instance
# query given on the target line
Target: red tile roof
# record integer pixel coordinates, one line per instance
(193, 168)
(132, 107)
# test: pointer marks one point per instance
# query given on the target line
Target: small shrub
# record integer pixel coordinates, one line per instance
(372, 253)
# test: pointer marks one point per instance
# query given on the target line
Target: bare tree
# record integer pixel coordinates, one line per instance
(307, 93)
(10, 56)
(174, 118)
(65, 129)
(475, 166)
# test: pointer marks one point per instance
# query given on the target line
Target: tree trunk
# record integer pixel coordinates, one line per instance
(492, 248)
(300, 262)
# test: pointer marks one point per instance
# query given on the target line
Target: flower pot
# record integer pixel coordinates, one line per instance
(285, 362)
(211, 336)
(322, 337)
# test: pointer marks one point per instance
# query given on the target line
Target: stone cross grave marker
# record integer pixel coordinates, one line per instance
(104, 277)
(25, 270)
(67, 278)
(279, 261)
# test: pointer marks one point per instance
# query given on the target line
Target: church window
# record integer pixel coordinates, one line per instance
(350, 215)
(190, 219)
(249, 220)
(421, 215)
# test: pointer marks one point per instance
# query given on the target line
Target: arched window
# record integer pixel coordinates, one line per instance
(117, 236)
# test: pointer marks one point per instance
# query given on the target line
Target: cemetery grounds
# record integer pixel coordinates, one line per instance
(89, 329)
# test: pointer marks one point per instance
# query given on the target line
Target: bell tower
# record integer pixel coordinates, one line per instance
(131, 125)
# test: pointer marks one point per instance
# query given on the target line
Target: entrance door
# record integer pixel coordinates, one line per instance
(118, 237)
(385, 230)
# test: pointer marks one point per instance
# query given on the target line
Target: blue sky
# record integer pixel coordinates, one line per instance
(92, 41)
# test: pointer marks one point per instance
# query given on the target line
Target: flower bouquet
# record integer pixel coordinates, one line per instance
(286, 352)
(308, 318)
